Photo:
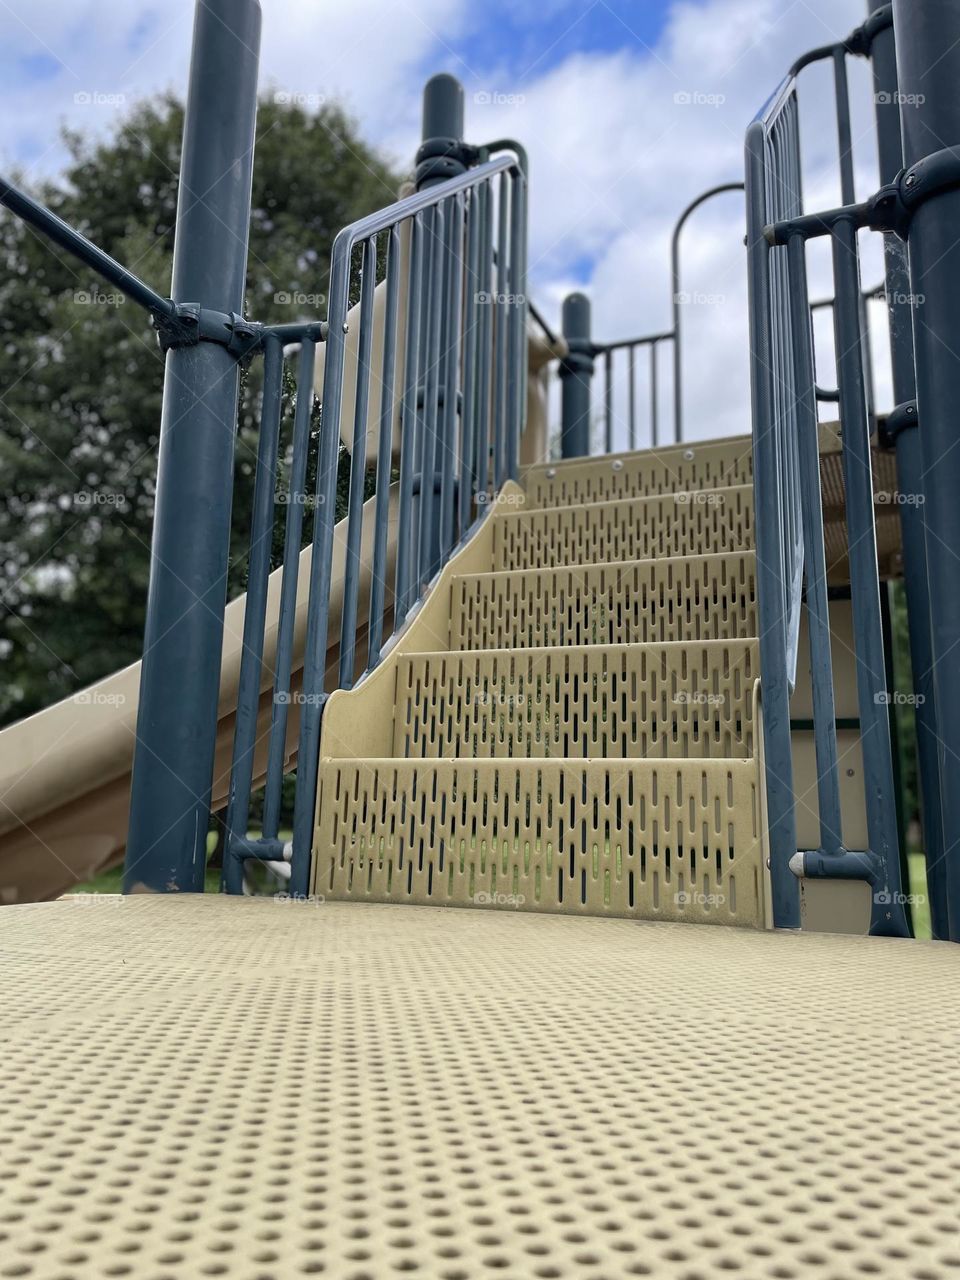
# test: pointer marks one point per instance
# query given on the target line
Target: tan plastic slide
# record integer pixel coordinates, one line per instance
(65, 772)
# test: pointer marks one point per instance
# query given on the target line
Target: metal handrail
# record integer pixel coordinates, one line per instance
(791, 562)
(461, 262)
(177, 323)
(652, 341)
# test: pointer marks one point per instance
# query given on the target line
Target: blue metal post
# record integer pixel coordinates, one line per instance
(928, 63)
(442, 155)
(576, 370)
(910, 477)
(179, 686)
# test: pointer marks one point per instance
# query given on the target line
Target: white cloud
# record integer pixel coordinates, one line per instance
(619, 141)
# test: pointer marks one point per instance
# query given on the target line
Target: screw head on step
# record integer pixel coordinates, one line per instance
(618, 465)
(688, 455)
(551, 473)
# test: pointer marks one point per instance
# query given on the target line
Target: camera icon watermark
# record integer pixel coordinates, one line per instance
(491, 98)
(696, 898)
(296, 299)
(898, 699)
(97, 298)
(287, 98)
(98, 698)
(96, 98)
(885, 98)
(484, 899)
(99, 498)
(695, 98)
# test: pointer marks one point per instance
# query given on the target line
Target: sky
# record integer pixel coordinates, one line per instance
(628, 108)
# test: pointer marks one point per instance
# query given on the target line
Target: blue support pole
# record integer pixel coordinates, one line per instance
(179, 685)
(576, 370)
(927, 36)
(910, 478)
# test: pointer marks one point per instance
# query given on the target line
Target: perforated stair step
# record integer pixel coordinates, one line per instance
(608, 701)
(639, 601)
(579, 481)
(670, 840)
(697, 522)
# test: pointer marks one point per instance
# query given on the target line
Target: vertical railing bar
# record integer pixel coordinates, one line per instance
(482, 430)
(516, 335)
(844, 134)
(608, 400)
(449, 453)
(431, 394)
(470, 341)
(408, 426)
(254, 618)
(384, 451)
(501, 351)
(781, 825)
(818, 617)
(523, 304)
(653, 393)
(358, 468)
(296, 497)
(313, 694)
(864, 576)
(632, 375)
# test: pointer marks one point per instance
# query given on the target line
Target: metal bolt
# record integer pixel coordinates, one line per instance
(346, 327)
(551, 473)
(910, 180)
(688, 455)
(618, 465)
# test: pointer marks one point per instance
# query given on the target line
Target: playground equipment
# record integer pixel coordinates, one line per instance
(569, 698)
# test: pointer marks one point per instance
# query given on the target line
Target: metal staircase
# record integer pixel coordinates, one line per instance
(576, 737)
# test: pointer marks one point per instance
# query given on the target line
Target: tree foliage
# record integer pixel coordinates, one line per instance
(82, 374)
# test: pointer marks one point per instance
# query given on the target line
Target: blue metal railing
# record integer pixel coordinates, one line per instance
(791, 565)
(457, 252)
(577, 370)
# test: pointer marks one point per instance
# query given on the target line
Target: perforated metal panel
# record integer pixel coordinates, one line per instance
(666, 841)
(702, 522)
(626, 702)
(687, 598)
(640, 475)
(205, 1087)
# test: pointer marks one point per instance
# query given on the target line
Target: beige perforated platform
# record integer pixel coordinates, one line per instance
(205, 1087)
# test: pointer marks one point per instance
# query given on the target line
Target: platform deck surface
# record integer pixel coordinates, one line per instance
(202, 1086)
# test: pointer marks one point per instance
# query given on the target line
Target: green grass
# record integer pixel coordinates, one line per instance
(917, 886)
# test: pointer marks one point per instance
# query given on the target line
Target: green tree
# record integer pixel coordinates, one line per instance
(81, 375)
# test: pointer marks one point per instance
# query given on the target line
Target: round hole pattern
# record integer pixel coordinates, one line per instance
(262, 1090)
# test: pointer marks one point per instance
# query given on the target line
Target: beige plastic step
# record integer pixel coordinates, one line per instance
(613, 702)
(668, 840)
(634, 602)
(640, 475)
(698, 522)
